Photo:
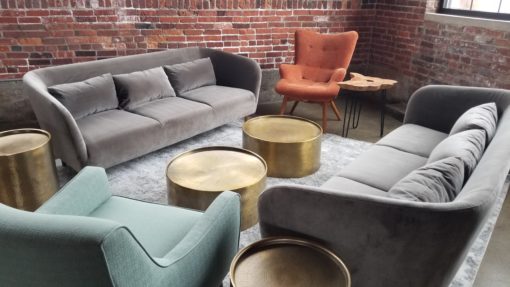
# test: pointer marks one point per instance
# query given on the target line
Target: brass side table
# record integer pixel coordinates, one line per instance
(27, 168)
(284, 262)
(291, 146)
(360, 83)
(196, 177)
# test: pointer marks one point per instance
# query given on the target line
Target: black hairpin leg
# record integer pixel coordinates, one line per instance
(383, 111)
(357, 104)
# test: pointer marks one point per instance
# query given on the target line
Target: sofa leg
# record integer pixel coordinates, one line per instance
(283, 106)
(293, 107)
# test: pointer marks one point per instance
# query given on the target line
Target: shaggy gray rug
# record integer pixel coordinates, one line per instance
(144, 179)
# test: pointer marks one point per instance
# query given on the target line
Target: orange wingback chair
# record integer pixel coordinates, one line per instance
(321, 60)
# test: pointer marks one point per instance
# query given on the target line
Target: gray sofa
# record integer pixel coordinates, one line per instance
(393, 242)
(110, 137)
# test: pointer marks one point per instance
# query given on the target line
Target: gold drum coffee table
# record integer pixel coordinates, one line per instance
(196, 177)
(291, 146)
(27, 168)
(284, 262)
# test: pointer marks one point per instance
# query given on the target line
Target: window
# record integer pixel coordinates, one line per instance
(495, 9)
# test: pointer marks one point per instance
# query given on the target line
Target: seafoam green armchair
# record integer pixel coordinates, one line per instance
(84, 236)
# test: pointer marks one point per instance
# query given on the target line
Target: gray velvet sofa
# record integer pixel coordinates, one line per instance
(110, 137)
(393, 242)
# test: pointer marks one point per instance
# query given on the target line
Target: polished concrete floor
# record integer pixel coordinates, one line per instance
(495, 268)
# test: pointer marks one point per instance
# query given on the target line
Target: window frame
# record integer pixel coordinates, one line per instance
(471, 13)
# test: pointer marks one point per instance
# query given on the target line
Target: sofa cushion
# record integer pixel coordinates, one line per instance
(439, 181)
(480, 117)
(228, 103)
(191, 75)
(137, 88)
(467, 145)
(381, 167)
(348, 185)
(115, 136)
(180, 118)
(87, 97)
(414, 139)
(158, 227)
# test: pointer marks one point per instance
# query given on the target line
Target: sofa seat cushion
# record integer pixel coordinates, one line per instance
(439, 181)
(351, 186)
(159, 228)
(381, 167)
(413, 139)
(227, 102)
(115, 136)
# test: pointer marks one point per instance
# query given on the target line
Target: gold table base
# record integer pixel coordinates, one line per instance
(196, 177)
(291, 146)
(27, 168)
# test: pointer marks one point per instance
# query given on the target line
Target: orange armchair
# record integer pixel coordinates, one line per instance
(321, 60)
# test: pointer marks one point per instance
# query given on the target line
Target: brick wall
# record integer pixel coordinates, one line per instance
(39, 33)
(423, 51)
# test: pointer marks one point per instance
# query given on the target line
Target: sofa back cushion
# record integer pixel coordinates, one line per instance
(87, 97)
(191, 75)
(484, 117)
(137, 88)
(468, 145)
(439, 181)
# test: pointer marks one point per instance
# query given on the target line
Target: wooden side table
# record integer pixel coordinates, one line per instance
(360, 83)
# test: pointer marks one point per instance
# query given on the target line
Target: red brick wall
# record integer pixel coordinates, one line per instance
(37, 33)
(425, 51)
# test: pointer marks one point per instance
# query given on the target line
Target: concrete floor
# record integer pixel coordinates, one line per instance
(369, 123)
(495, 268)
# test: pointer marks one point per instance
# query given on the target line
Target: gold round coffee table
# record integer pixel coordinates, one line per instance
(283, 262)
(291, 146)
(196, 177)
(28, 175)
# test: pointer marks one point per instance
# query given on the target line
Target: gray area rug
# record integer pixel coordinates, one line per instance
(144, 179)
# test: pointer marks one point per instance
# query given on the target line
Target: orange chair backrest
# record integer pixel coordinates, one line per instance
(322, 53)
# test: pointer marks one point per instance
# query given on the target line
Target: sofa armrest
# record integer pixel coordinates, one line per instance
(236, 71)
(67, 140)
(80, 196)
(438, 107)
(383, 241)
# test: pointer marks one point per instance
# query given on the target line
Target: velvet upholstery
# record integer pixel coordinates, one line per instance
(484, 117)
(232, 71)
(137, 88)
(413, 139)
(394, 242)
(191, 75)
(321, 60)
(438, 181)
(467, 145)
(84, 236)
(88, 97)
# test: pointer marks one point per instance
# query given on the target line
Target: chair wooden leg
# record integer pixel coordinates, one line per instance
(293, 107)
(335, 109)
(283, 106)
(324, 116)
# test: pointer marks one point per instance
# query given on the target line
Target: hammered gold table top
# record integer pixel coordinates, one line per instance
(282, 129)
(216, 170)
(277, 262)
(21, 142)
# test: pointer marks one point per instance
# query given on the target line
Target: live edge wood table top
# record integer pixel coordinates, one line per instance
(361, 83)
